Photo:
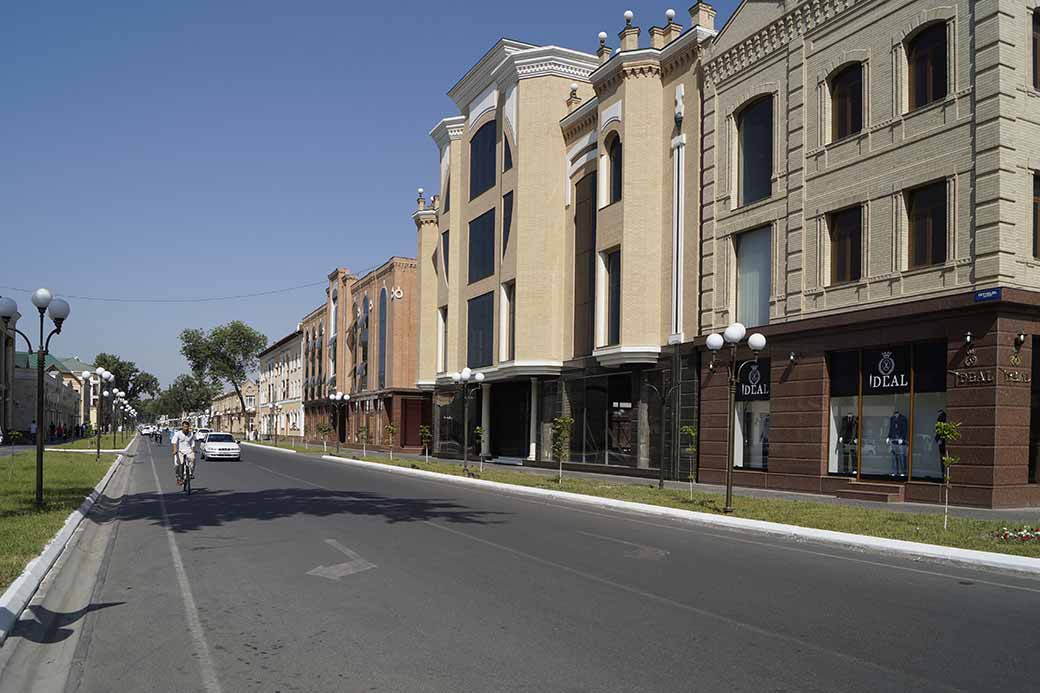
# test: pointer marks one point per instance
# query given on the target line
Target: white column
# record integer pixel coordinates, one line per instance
(533, 430)
(485, 418)
(678, 213)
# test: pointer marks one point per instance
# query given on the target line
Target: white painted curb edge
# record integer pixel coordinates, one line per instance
(894, 546)
(22, 589)
(266, 447)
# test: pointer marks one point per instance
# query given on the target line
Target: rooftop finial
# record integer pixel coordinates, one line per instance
(669, 15)
(629, 16)
(602, 38)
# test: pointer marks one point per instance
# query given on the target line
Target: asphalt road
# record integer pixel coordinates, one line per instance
(289, 573)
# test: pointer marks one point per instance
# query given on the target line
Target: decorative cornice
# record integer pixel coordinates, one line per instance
(801, 20)
(610, 357)
(448, 129)
(581, 120)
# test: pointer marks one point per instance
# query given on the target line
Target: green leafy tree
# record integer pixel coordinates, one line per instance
(188, 393)
(391, 430)
(561, 440)
(947, 432)
(226, 354)
(425, 436)
(136, 382)
(690, 434)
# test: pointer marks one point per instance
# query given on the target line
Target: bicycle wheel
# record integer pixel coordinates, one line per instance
(187, 482)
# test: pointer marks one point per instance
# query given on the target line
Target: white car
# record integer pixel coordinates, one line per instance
(220, 446)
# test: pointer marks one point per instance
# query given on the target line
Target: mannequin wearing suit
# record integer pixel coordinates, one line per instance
(897, 432)
(848, 431)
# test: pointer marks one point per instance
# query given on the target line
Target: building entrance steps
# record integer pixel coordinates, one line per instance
(869, 491)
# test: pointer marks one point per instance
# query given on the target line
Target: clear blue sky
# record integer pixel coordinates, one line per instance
(204, 148)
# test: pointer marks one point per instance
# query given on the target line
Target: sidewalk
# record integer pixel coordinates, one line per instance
(1019, 516)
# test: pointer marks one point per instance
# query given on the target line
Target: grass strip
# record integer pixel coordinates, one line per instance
(67, 477)
(927, 528)
(91, 443)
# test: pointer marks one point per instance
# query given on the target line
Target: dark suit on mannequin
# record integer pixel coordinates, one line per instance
(897, 432)
(848, 431)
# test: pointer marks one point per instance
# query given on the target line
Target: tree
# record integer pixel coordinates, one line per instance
(129, 376)
(946, 433)
(690, 432)
(188, 393)
(226, 354)
(391, 430)
(425, 436)
(561, 440)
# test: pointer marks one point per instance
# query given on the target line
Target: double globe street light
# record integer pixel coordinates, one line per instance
(339, 401)
(733, 336)
(96, 379)
(59, 311)
(469, 380)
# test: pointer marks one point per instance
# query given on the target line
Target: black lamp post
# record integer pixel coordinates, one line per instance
(339, 400)
(733, 335)
(59, 311)
(469, 381)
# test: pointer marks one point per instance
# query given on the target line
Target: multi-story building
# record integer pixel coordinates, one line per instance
(8, 346)
(73, 374)
(870, 205)
(226, 413)
(859, 192)
(553, 260)
(315, 385)
(381, 356)
(281, 387)
(61, 400)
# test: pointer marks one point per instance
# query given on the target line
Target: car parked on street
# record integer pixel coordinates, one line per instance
(220, 446)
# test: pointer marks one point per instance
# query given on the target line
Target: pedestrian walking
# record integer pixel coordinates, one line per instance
(32, 429)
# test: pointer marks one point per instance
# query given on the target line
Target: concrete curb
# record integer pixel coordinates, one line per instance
(266, 447)
(88, 452)
(18, 594)
(911, 549)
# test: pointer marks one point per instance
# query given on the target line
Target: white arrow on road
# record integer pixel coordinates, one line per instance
(356, 564)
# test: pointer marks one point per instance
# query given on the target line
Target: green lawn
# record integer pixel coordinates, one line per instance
(91, 443)
(24, 531)
(926, 528)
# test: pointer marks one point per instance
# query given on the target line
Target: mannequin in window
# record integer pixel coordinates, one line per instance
(897, 430)
(848, 430)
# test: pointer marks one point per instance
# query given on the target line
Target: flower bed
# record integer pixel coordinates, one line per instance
(1018, 536)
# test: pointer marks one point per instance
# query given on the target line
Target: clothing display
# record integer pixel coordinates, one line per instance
(896, 438)
(941, 418)
(847, 438)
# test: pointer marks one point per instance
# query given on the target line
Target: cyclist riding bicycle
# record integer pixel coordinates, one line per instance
(183, 451)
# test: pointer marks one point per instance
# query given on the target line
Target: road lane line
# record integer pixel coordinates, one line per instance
(667, 601)
(642, 551)
(198, 636)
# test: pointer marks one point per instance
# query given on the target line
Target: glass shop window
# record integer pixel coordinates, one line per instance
(751, 424)
(885, 425)
(929, 407)
(843, 457)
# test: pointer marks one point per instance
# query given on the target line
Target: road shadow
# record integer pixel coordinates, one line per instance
(49, 626)
(205, 508)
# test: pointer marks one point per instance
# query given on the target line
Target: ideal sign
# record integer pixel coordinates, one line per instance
(886, 371)
(754, 381)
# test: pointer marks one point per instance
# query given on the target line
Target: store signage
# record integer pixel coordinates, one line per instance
(1016, 377)
(754, 381)
(983, 376)
(886, 371)
(988, 295)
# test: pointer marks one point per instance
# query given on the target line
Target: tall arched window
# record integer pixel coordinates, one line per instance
(482, 159)
(926, 62)
(847, 101)
(755, 165)
(616, 165)
(382, 338)
(363, 343)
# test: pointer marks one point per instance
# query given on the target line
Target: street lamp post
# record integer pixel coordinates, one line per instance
(466, 377)
(99, 377)
(59, 311)
(733, 335)
(339, 401)
(275, 408)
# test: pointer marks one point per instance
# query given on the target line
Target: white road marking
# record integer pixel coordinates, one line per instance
(198, 637)
(667, 601)
(642, 551)
(356, 564)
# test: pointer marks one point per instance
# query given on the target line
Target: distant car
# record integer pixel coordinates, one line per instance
(201, 433)
(220, 446)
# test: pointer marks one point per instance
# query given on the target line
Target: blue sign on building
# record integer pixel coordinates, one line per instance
(988, 295)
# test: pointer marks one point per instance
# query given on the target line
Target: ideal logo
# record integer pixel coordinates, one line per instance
(754, 384)
(886, 368)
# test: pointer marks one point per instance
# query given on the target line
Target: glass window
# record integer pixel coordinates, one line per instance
(885, 424)
(480, 330)
(614, 297)
(930, 361)
(926, 212)
(1036, 215)
(751, 416)
(846, 245)
(1036, 50)
(926, 60)
(1034, 412)
(584, 265)
(382, 338)
(442, 345)
(507, 154)
(847, 101)
(754, 276)
(755, 128)
(843, 456)
(482, 160)
(507, 219)
(482, 246)
(444, 253)
(614, 154)
(447, 195)
(510, 296)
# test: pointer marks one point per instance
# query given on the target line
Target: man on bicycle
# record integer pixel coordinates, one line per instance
(184, 452)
